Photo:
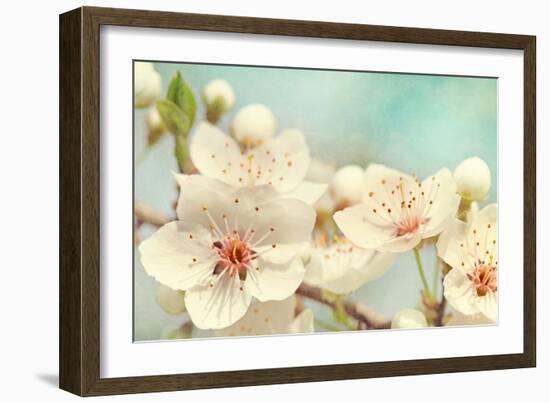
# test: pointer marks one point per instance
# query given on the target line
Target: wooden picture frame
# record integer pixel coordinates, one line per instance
(79, 346)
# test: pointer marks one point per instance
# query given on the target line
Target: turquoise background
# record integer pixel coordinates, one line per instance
(414, 123)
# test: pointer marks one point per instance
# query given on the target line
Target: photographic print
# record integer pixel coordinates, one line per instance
(273, 200)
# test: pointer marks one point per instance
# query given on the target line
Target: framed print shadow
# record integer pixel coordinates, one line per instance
(249, 201)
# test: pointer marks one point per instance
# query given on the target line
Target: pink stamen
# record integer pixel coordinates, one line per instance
(484, 278)
(234, 256)
(409, 225)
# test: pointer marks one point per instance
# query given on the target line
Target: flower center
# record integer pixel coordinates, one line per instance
(409, 225)
(333, 248)
(234, 255)
(484, 278)
(405, 204)
(237, 250)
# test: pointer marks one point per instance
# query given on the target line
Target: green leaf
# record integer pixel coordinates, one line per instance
(175, 119)
(180, 93)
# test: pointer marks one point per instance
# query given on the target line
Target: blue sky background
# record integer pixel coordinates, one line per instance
(414, 123)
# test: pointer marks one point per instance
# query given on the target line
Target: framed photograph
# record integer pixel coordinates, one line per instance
(250, 201)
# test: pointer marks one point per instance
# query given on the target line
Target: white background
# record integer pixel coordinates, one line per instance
(120, 357)
(29, 202)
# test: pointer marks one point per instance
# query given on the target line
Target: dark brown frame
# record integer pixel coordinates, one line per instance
(79, 200)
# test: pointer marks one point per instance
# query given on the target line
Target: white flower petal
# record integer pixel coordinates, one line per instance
(215, 154)
(342, 268)
(254, 196)
(441, 189)
(198, 192)
(268, 281)
(409, 319)
(345, 284)
(483, 230)
(401, 244)
(176, 260)
(488, 305)
(378, 266)
(460, 293)
(281, 253)
(263, 318)
(219, 305)
(308, 192)
(361, 272)
(459, 243)
(314, 268)
(285, 223)
(392, 179)
(448, 244)
(282, 161)
(353, 222)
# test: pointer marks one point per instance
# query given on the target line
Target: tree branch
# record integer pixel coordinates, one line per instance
(440, 312)
(361, 313)
(150, 216)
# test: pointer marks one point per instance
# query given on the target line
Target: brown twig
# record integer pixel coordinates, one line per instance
(440, 312)
(150, 216)
(361, 313)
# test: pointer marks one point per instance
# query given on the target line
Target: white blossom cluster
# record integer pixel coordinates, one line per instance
(259, 217)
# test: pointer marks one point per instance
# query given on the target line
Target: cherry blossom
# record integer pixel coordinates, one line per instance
(227, 246)
(398, 211)
(340, 267)
(281, 161)
(272, 317)
(471, 249)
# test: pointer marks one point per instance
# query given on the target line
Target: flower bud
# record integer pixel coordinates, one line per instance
(409, 319)
(254, 124)
(219, 97)
(473, 179)
(155, 125)
(171, 301)
(347, 185)
(147, 84)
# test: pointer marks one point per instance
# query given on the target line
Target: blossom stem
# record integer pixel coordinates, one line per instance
(327, 326)
(421, 272)
(340, 314)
